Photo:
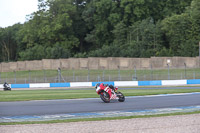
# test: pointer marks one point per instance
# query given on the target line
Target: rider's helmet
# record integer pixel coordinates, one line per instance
(105, 85)
(111, 87)
(5, 84)
(97, 85)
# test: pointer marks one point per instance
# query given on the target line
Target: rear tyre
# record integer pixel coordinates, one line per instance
(105, 97)
(7, 89)
(121, 97)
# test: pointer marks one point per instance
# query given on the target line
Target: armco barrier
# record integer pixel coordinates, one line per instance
(147, 83)
(39, 85)
(20, 86)
(115, 83)
(174, 82)
(81, 84)
(59, 84)
(110, 83)
(193, 81)
(126, 83)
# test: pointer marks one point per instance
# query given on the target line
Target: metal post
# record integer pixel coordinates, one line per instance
(168, 72)
(88, 74)
(185, 70)
(199, 54)
(59, 75)
(44, 75)
(151, 72)
(135, 72)
(144, 76)
(73, 75)
(29, 76)
(15, 76)
(103, 74)
(98, 78)
(119, 76)
(6, 77)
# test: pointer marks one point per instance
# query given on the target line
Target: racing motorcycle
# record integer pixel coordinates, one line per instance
(6, 87)
(108, 93)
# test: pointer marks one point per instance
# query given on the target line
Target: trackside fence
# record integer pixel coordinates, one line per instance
(64, 76)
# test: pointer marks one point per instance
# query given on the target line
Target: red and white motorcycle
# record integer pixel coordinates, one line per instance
(108, 93)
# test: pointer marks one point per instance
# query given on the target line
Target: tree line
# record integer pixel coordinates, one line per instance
(104, 28)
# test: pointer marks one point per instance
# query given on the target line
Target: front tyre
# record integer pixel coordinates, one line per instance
(121, 97)
(105, 97)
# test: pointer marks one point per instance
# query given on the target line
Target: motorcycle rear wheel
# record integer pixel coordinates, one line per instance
(121, 97)
(105, 97)
(7, 89)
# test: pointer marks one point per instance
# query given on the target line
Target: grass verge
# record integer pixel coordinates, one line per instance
(100, 119)
(28, 95)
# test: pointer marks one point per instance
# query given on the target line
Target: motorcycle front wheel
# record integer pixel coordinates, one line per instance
(105, 97)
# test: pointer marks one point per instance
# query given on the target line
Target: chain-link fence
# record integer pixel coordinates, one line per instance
(55, 76)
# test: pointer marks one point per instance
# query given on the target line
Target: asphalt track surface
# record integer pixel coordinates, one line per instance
(51, 107)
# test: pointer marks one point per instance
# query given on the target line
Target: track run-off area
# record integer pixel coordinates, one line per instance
(44, 110)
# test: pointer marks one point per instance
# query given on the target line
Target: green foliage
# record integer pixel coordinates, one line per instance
(182, 31)
(49, 34)
(36, 52)
(8, 42)
(102, 28)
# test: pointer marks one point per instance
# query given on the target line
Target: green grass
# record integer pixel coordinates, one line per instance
(100, 119)
(41, 73)
(27, 95)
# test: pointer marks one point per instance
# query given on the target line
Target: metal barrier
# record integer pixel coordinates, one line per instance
(115, 83)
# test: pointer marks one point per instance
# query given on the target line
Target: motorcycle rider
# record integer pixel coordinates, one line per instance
(106, 85)
(97, 86)
(6, 86)
(113, 89)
